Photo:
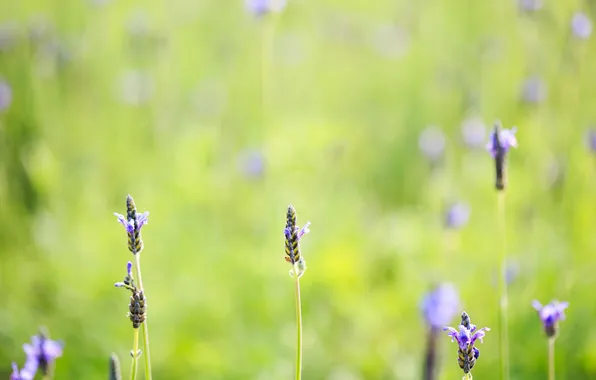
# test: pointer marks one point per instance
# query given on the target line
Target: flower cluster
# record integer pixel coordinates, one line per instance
(293, 234)
(550, 315)
(137, 309)
(41, 354)
(466, 337)
(133, 222)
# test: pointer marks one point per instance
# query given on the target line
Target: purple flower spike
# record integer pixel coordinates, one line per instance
(440, 305)
(262, 7)
(550, 315)
(581, 25)
(466, 337)
(507, 140)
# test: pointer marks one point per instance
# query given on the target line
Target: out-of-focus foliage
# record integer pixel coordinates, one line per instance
(214, 120)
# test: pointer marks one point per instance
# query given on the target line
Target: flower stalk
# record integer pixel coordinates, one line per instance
(293, 234)
(551, 358)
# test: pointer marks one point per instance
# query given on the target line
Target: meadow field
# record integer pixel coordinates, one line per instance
(371, 118)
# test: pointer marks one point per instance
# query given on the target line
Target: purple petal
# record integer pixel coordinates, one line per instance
(129, 268)
(478, 335)
(15, 372)
(51, 350)
(142, 219)
(119, 284)
(464, 337)
(537, 305)
(288, 233)
(304, 230)
(129, 226)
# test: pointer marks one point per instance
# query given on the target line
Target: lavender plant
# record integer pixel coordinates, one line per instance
(115, 373)
(466, 337)
(550, 315)
(41, 353)
(438, 307)
(133, 222)
(501, 141)
(293, 234)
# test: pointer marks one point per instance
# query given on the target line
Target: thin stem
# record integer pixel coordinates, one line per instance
(431, 354)
(135, 351)
(551, 358)
(298, 327)
(146, 353)
(503, 302)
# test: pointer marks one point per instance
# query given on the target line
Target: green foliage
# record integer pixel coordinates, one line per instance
(163, 100)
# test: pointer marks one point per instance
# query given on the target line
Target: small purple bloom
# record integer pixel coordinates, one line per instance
(534, 90)
(15, 372)
(530, 5)
(432, 142)
(129, 269)
(457, 216)
(129, 225)
(550, 315)
(5, 96)
(41, 353)
(506, 139)
(262, 7)
(581, 25)
(440, 305)
(465, 337)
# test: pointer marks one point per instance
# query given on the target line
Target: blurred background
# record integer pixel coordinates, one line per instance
(370, 117)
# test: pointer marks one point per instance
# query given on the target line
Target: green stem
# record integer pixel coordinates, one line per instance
(298, 327)
(503, 301)
(551, 358)
(146, 353)
(135, 351)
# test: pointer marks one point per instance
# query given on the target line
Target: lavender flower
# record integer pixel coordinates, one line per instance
(41, 355)
(133, 222)
(262, 7)
(432, 142)
(457, 216)
(550, 315)
(581, 25)
(466, 336)
(293, 234)
(137, 308)
(440, 305)
(5, 96)
(501, 140)
(530, 5)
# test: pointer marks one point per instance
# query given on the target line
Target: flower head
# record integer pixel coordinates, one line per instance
(133, 222)
(581, 25)
(262, 7)
(466, 337)
(505, 138)
(457, 215)
(440, 305)
(41, 354)
(293, 234)
(550, 315)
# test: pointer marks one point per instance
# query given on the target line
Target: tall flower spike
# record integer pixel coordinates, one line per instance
(466, 337)
(133, 222)
(550, 315)
(293, 234)
(501, 140)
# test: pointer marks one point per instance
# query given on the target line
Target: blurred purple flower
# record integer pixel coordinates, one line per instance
(506, 139)
(591, 138)
(550, 315)
(581, 25)
(432, 142)
(457, 215)
(465, 337)
(530, 5)
(473, 131)
(534, 90)
(440, 305)
(262, 7)
(41, 354)
(5, 96)
(251, 163)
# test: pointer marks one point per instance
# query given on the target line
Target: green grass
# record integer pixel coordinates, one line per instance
(340, 143)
